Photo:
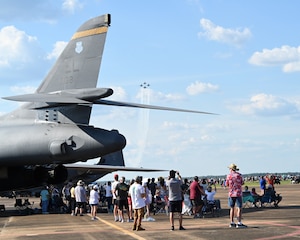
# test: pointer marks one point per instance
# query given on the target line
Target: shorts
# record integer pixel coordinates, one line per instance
(197, 202)
(80, 204)
(138, 213)
(238, 201)
(175, 206)
(122, 204)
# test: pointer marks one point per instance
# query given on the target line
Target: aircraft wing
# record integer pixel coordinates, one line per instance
(65, 98)
(137, 105)
(91, 173)
(108, 169)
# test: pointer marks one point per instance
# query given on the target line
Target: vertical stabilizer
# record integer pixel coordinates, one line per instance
(78, 65)
(112, 159)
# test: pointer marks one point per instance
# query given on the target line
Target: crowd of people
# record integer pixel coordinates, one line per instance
(137, 200)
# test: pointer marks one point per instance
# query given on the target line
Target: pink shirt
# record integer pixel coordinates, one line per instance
(235, 181)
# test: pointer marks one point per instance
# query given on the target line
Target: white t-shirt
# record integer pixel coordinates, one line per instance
(135, 191)
(210, 195)
(80, 194)
(113, 188)
(94, 197)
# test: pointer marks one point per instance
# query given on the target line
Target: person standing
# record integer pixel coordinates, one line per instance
(108, 196)
(122, 201)
(175, 198)
(80, 196)
(196, 193)
(152, 188)
(45, 196)
(94, 201)
(114, 197)
(262, 185)
(72, 199)
(234, 182)
(137, 193)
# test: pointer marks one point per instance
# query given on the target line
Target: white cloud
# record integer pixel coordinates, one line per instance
(119, 94)
(71, 5)
(32, 10)
(286, 56)
(235, 37)
(200, 87)
(57, 50)
(22, 90)
(16, 47)
(291, 67)
(269, 105)
(36, 10)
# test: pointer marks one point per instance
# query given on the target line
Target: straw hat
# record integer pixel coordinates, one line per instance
(233, 167)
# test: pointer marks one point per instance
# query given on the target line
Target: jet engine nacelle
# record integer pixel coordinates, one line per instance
(18, 178)
(54, 143)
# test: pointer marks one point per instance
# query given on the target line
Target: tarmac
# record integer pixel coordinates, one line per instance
(263, 223)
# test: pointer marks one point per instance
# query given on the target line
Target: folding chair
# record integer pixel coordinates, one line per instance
(23, 206)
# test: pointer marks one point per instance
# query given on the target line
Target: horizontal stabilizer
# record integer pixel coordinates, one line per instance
(75, 96)
(137, 105)
(49, 98)
(87, 96)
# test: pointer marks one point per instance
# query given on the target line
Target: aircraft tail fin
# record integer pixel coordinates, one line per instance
(78, 65)
(112, 159)
(77, 68)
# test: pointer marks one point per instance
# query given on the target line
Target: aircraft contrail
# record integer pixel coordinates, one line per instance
(143, 124)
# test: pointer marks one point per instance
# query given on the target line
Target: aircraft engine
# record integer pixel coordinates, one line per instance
(58, 175)
(50, 175)
(18, 178)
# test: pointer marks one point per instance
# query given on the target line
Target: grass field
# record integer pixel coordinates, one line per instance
(255, 184)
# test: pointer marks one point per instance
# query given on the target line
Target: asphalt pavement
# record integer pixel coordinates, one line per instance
(263, 223)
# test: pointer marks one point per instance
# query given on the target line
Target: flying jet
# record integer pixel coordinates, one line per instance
(43, 139)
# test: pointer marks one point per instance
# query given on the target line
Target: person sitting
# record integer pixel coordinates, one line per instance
(210, 197)
(246, 190)
(248, 199)
(256, 196)
(159, 203)
(276, 198)
(271, 196)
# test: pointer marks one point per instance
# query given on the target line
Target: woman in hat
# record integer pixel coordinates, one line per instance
(93, 201)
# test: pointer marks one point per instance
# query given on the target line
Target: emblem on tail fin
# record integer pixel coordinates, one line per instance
(78, 47)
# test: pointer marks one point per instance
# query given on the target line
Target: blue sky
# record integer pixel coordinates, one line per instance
(238, 59)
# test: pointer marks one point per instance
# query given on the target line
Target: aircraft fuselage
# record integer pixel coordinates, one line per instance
(48, 143)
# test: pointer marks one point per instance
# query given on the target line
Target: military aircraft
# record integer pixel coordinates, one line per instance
(42, 139)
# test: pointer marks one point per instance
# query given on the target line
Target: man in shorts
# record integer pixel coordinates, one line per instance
(137, 193)
(196, 193)
(234, 181)
(114, 197)
(80, 197)
(122, 201)
(175, 198)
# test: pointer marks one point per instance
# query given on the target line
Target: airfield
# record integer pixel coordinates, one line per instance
(263, 223)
